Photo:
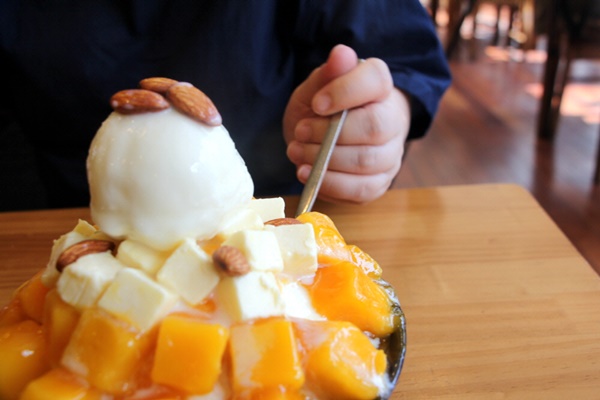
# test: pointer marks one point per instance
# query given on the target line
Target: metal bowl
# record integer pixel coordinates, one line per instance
(394, 346)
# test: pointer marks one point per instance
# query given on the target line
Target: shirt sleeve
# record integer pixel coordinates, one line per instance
(400, 32)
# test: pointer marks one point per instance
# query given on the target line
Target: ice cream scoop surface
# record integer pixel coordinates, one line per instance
(161, 177)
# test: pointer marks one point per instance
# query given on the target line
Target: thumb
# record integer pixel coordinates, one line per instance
(342, 59)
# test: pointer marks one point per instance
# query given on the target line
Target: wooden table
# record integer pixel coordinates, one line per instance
(498, 302)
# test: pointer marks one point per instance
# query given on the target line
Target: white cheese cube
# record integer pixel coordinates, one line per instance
(81, 283)
(90, 231)
(298, 247)
(253, 295)
(298, 303)
(268, 208)
(137, 255)
(51, 274)
(85, 228)
(242, 219)
(260, 248)
(137, 299)
(190, 272)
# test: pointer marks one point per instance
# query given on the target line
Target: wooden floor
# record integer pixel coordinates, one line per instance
(485, 132)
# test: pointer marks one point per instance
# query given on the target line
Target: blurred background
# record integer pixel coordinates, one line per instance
(524, 108)
(500, 122)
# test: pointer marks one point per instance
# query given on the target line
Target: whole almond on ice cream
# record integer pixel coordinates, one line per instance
(193, 102)
(136, 101)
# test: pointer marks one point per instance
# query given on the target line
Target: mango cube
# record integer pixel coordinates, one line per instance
(264, 355)
(12, 313)
(189, 353)
(344, 292)
(270, 393)
(340, 360)
(33, 295)
(23, 357)
(60, 320)
(107, 352)
(59, 384)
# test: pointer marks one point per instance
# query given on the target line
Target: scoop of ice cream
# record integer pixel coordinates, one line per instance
(161, 177)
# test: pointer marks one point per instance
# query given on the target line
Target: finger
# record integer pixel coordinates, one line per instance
(370, 81)
(340, 187)
(358, 160)
(372, 124)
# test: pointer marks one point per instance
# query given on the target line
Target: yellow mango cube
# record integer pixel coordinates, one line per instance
(332, 248)
(22, 357)
(343, 292)
(189, 354)
(264, 354)
(12, 313)
(59, 320)
(340, 360)
(270, 393)
(59, 384)
(107, 352)
(331, 245)
(33, 295)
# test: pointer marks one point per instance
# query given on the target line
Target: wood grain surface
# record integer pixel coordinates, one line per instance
(498, 302)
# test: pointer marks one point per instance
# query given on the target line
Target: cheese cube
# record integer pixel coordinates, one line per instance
(190, 272)
(253, 295)
(85, 228)
(260, 248)
(137, 255)
(269, 208)
(84, 281)
(242, 219)
(298, 247)
(51, 274)
(137, 299)
(298, 303)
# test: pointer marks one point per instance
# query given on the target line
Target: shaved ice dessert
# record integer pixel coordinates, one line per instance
(187, 287)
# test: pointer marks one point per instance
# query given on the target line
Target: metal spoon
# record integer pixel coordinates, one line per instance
(313, 184)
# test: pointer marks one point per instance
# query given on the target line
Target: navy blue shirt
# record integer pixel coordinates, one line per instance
(66, 58)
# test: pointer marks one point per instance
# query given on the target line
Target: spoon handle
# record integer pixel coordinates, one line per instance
(313, 184)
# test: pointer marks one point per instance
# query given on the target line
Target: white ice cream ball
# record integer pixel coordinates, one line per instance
(161, 177)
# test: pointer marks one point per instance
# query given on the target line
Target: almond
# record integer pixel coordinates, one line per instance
(231, 261)
(283, 221)
(157, 84)
(72, 253)
(193, 102)
(137, 101)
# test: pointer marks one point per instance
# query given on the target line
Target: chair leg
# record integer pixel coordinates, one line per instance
(545, 127)
(454, 35)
